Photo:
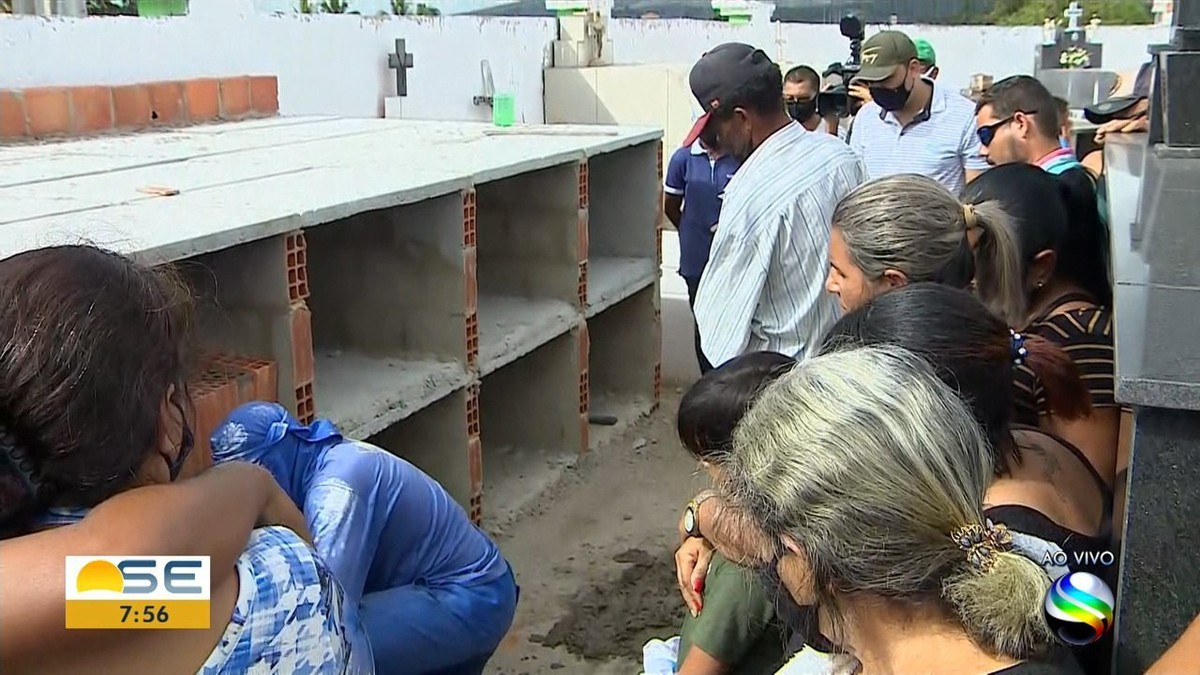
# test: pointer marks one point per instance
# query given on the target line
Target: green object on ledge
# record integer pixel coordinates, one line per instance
(504, 110)
(152, 8)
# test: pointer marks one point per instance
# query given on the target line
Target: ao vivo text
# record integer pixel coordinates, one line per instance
(1076, 558)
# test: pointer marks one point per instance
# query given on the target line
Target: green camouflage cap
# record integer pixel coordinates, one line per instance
(925, 52)
(883, 53)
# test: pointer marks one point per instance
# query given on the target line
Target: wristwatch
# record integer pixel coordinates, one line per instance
(691, 514)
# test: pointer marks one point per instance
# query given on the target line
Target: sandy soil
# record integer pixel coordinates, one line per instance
(593, 556)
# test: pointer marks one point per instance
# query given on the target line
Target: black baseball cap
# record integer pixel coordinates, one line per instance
(882, 53)
(1119, 107)
(720, 74)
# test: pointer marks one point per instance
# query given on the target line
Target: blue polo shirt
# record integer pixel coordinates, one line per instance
(701, 182)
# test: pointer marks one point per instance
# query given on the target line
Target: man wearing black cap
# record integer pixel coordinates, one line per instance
(763, 288)
(910, 125)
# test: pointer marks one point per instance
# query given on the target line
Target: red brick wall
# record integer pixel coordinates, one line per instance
(47, 112)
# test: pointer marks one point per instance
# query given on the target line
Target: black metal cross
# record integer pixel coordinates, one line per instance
(401, 60)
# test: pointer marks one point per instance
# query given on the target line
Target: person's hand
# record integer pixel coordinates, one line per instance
(860, 91)
(691, 567)
(1138, 124)
(281, 510)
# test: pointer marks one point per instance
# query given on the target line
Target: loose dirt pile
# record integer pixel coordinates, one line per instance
(615, 619)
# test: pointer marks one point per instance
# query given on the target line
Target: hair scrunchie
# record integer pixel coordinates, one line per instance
(982, 542)
(969, 219)
(1017, 347)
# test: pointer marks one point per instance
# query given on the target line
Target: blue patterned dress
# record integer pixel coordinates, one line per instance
(289, 618)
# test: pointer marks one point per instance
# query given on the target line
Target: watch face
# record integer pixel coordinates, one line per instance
(689, 520)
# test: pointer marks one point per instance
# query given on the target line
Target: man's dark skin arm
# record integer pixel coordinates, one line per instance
(673, 208)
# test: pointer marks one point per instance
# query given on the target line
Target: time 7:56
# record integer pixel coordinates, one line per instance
(149, 614)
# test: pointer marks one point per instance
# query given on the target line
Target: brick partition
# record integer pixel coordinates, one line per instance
(221, 383)
(49, 112)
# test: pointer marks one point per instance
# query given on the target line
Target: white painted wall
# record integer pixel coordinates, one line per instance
(962, 50)
(338, 64)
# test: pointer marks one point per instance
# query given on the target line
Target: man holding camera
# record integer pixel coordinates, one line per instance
(910, 125)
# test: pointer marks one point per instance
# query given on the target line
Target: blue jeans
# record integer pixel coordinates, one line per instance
(693, 284)
(452, 630)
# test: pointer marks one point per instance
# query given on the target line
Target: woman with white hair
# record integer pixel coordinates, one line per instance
(867, 473)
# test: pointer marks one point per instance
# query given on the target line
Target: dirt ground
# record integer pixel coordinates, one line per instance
(593, 556)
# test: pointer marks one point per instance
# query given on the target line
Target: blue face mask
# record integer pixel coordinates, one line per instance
(1064, 143)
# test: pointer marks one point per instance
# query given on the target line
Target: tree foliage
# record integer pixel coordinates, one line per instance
(112, 7)
(405, 8)
(1035, 12)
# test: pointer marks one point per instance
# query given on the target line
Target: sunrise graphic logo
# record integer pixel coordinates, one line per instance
(155, 592)
(100, 575)
(1079, 608)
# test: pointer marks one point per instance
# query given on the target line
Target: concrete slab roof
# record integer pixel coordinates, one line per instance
(243, 181)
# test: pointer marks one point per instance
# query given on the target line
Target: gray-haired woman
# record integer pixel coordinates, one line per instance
(906, 229)
(867, 474)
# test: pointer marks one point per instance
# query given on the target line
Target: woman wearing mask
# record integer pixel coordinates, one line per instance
(906, 229)
(867, 476)
(93, 402)
(1067, 295)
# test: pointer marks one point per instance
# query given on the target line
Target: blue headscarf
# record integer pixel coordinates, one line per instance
(268, 435)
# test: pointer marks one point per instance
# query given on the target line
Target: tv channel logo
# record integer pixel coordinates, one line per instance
(1079, 608)
(138, 592)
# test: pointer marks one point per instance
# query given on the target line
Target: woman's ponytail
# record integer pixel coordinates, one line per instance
(1001, 607)
(997, 261)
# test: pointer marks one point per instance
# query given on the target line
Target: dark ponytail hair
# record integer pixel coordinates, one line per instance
(1049, 213)
(90, 344)
(971, 349)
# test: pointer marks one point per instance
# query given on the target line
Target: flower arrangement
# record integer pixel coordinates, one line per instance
(1075, 57)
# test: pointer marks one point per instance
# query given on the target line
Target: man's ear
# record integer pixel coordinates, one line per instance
(894, 278)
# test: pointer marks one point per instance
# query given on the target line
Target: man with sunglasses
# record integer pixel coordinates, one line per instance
(910, 125)
(1018, 121)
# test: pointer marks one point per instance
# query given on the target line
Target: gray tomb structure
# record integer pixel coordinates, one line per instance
(1069, 64)
(1153, 184)
(1070, 47)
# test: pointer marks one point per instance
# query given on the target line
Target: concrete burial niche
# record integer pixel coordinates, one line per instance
(623, 355)
(435, 439)
(387, 305)
(246, 346)
(529, 425)
(527, 266)
(623, 208)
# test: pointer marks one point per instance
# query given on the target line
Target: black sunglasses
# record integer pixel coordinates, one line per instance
(988, 134)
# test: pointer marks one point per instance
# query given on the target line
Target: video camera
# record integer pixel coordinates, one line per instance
(836, 99)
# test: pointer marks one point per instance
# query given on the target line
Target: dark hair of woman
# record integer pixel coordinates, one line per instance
(713, 406)
(971, 350)
(1040, 207)
(91, 345)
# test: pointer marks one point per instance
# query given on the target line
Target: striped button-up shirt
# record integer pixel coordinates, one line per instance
(764, 287)
(940, 142)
